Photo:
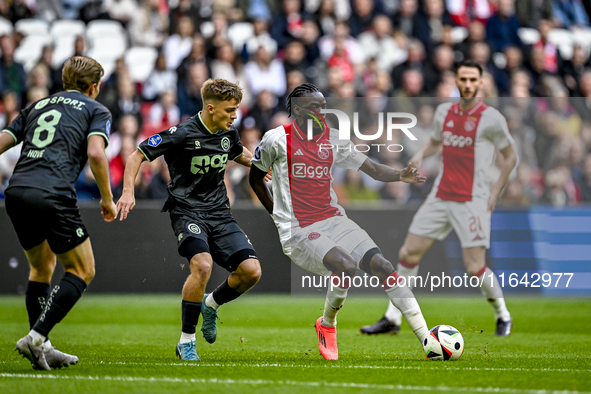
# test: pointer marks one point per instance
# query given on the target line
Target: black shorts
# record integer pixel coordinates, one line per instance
(217, 233)
(38, 215)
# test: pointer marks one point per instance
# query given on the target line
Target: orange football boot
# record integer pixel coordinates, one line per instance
(327, 341)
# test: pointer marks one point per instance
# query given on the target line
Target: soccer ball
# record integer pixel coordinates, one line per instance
(443, 343)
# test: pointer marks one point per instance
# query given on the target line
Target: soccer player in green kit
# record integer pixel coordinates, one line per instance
(197, 152)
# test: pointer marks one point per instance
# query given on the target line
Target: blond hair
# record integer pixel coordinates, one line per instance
(220, 90)
(80, 72)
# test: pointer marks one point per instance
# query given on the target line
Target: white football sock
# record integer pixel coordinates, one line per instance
(210, 302)
(405, 301)
(392, 313)
(335, 298)
(490, 288)
(186, 338)
(38, 339)
(47, 345)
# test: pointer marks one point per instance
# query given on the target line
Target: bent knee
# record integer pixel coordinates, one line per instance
(338, 261)
(201, 264)
(410, 255)
(474, 268)
(381, 267)
(89, 274)
(86, 273)
(250, 271)
(347, 265)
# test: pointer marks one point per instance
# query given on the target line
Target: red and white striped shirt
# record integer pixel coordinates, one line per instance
(470, 139)
(302, 175)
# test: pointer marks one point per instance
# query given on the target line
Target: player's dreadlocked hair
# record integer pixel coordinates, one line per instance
(300, 91)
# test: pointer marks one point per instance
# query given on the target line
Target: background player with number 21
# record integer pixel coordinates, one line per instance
(461, 199)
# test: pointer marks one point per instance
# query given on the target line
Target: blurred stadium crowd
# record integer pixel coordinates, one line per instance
(157, 53)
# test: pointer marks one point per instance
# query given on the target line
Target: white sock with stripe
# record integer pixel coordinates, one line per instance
(335, 298)
(490, 288)
(405, 270)
(403, 299)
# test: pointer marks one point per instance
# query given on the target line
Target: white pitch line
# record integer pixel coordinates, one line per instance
(432, 366)
(275, 365)
(261, 382)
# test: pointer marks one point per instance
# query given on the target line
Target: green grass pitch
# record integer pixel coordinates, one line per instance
(268, 344)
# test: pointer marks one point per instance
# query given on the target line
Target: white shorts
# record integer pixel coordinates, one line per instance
(436, 218)
(309, 245)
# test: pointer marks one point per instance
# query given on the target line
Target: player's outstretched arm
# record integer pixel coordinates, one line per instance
(429, 149)
(100, 169)
(132, 167)
(509, 162)
(6, 142)
(256, 178)
(381, 172)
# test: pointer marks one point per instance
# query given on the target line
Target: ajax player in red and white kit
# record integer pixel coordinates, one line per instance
(470, 132)
(314, 230)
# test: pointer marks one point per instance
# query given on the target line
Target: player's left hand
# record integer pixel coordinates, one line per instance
(269, 176)
(410, 175)
(108, 210)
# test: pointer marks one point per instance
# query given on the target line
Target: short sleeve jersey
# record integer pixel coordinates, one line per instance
(196, 160)
(54, 132)
(470, 140)
(302, 174)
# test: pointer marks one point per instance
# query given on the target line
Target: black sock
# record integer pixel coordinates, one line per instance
(190, 316)
(62, 298)
(224, 293)
(35, 297)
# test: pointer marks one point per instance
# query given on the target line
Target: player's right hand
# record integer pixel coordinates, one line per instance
(108, 210)
(125, 205)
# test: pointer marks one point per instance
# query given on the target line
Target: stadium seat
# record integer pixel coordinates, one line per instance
(140, 61)
(560, 37)
(101, 29)
(30, 49)
(106, 60)
(106, 55)
(207, 29)
(528, 36)
(110, 46)
(63, 49)
(65, 27)
(582, 37)
(5, 27)
(459, 34)
(564, 40)
(566, 51)
(239, 33)
(108, 67)
(32, 27)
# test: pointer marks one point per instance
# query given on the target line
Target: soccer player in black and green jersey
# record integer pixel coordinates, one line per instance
(58, 134)
(196, 152)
